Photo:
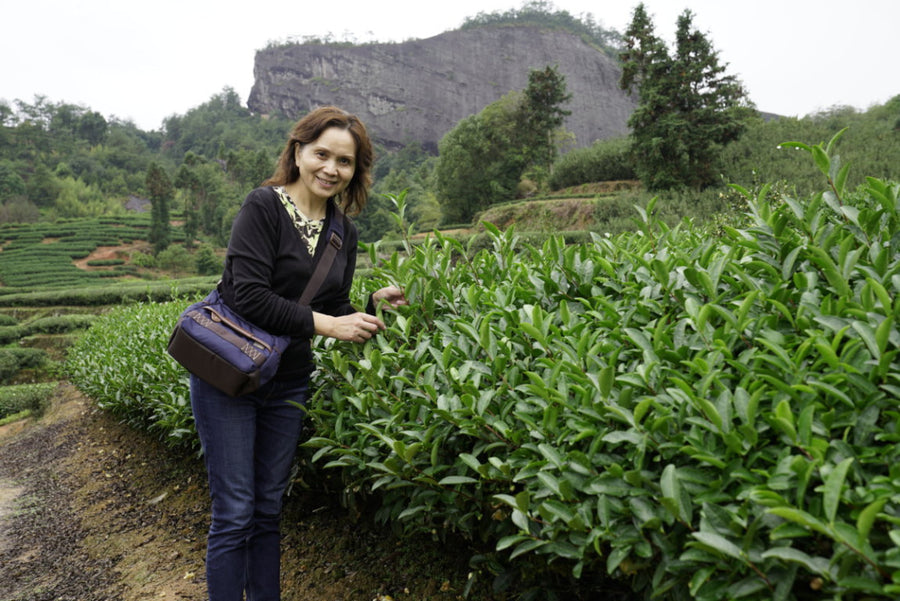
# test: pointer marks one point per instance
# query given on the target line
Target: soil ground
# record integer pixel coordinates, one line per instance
(92, 510)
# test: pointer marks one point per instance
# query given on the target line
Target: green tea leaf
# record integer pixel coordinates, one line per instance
(719, 543)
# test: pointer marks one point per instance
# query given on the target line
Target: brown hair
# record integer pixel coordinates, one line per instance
(353, 199)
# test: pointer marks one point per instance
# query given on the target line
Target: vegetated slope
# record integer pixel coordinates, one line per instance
(420, 89)
(571, 209)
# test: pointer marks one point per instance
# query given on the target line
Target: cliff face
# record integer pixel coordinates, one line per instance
(419, 90)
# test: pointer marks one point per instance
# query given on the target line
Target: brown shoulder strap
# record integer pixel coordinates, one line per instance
(335, 241)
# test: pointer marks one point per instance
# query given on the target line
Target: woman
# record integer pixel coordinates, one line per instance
(249, 441)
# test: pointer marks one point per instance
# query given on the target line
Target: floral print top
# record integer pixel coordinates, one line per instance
(309, 229)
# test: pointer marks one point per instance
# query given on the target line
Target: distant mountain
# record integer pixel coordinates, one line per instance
(420, 89)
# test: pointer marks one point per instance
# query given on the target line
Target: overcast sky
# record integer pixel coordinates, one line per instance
(145, 61)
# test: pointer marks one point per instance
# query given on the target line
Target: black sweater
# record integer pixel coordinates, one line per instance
(267, 268)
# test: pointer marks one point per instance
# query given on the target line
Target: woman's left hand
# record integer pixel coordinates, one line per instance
(392, 295)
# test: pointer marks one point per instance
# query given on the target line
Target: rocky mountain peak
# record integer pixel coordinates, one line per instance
(418, 90)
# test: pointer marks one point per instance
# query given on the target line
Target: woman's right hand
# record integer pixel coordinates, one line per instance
(356, 327)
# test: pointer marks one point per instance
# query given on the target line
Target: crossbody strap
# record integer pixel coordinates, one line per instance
(335, 236)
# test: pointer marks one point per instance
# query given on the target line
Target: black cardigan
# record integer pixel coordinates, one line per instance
(267, 267)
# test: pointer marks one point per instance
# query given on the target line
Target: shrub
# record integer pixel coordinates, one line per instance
(58, 324)
(207, 262)
(32, 398)
(110, 294)
(13, 360)
(697, 417)
(694, 417)
(10, 334)
(143, 259)
(607, 160)
(121, 363)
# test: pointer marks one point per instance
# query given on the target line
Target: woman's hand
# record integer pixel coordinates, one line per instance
(356, 327)
(391, 295)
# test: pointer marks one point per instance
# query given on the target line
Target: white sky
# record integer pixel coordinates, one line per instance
(145, 61)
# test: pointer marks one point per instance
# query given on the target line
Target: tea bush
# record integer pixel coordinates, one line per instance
(42, 254)
(121, 363)
(32, 398)
(698, 417)
(13, 360)
(694, 416)
(111, 293)
(606, 160)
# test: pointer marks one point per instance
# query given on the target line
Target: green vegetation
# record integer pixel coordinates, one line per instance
(43, 254)
(56, 324)
(606, 160)
(121, 363)
(24, 400)
(110, 294)
(692, 414)
(13, 360)
(688, 108)
(484, 158)
(540, 13)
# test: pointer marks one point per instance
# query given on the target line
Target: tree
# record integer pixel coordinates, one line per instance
(92, 127)
(11, 184)
(206, 261)
(483, 158)
(42, 188)
(187, 181)
(688, 107)
(479, 162)
(161, 191)
(542, 116)
(175, 259)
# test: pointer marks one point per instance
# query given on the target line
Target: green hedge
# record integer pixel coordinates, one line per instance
(696, 417)
(31, 398)
(110, 294)
(47, 325)
(606, 160)
(13, 360)
(121, 363)
(42, 254)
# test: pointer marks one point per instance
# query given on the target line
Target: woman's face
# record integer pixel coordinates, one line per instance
(326, 164)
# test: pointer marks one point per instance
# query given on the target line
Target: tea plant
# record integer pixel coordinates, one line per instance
(694, 416)
(112, 293)
(14, 359)
(121, 363)
(42, 254)
(701, 418)
(25, 399)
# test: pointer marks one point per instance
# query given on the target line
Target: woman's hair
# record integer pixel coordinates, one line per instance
(307, 130)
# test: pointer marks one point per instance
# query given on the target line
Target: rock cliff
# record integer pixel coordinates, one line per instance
(420, 89)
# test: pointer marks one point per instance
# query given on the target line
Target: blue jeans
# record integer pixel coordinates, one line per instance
(248, 445)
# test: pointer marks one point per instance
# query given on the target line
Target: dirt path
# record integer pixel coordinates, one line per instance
(78, 520)
(91, 510)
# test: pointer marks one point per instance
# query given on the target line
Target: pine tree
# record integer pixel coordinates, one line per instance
(688, 107)
(543, 116)
(161, 192)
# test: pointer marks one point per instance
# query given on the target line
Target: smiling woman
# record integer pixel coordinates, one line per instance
(249, 440)
(326, 169)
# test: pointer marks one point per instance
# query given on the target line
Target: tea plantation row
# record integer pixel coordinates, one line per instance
(696, 415)
(43, 254)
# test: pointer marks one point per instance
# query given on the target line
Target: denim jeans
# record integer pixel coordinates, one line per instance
(248, 445)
